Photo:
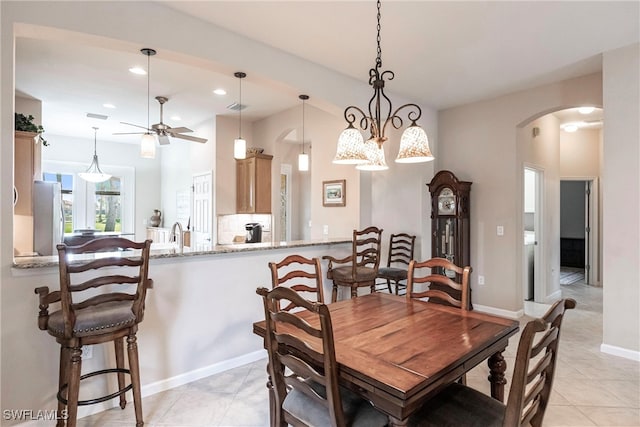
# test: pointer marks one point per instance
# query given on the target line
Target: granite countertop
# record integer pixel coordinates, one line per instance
(169, 250)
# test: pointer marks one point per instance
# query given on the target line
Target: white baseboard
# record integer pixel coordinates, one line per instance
(620, 352)
(498, 311)
(168, 383)
(550, 299)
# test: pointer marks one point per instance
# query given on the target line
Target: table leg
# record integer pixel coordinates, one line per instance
(497, 368)
(394, 422)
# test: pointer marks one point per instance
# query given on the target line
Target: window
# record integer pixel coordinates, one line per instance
(108, 216)
(104, 206)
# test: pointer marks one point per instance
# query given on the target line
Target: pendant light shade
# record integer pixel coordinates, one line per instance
(303, 158)
(148, 146)
(414, 146)
(375, 154)
(350, 148)
(148, 141)
(240, 145)
(93, 172)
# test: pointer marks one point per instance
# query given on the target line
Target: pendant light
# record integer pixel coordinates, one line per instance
(239, 144)
(303, 159)
(414, 145)
(148, 142)
(93, 172)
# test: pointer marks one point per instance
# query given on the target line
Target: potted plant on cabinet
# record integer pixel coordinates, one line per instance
(25, 124)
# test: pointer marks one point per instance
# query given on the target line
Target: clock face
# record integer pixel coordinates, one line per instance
(446, 202)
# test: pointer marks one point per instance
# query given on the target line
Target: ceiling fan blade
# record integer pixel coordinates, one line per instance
(188, 137)
(128, 133)
(138, 126)
(163, 140)
(179, 130)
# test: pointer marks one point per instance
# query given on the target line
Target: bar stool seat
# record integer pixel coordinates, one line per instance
(116, 284)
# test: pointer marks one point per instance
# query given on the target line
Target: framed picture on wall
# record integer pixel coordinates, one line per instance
(334, 193)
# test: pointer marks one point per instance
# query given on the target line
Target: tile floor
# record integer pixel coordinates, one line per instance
(590, 389)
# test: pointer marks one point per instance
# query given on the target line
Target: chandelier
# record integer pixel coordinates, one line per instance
(93, 172)
(369, 155)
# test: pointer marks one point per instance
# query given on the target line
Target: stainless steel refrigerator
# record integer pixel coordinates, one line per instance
(48, 217)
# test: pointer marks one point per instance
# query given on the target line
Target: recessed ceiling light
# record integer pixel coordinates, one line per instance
(586, 110)
(138, 70)
(176, 118)
(220, 92)
(108, 105)
(570, 128)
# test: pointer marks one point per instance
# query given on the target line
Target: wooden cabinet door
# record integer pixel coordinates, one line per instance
(26, 169)
(253, 184)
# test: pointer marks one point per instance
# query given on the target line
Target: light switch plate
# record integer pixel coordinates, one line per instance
(500, 230)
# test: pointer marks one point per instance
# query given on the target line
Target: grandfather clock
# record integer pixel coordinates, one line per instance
(450, 220)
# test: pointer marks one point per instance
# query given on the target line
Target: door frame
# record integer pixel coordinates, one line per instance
(539, 262)
(592, 220)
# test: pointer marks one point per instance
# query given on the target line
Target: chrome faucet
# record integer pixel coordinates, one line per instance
(177, 237)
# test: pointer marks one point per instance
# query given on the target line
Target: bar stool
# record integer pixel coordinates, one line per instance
(111, 312)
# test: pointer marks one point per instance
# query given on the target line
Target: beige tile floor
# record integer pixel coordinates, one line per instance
(590, 388)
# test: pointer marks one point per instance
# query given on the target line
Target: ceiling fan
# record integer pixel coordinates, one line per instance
(164, 131)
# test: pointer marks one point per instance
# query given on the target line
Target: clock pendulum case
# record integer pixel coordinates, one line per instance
(450, 223)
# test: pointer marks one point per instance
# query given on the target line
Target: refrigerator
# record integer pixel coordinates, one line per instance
(48, 217)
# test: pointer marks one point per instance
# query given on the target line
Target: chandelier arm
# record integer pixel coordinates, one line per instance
(350, 117)
(396, 121)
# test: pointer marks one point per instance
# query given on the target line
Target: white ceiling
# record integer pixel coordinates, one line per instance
(443, 54)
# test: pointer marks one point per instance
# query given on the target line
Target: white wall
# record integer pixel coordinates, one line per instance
(621, 201)
(478, 143)
(580, 153)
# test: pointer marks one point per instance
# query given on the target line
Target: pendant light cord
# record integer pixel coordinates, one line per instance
(240, 110)
(302, 125)
(148, 88)
(95, 137)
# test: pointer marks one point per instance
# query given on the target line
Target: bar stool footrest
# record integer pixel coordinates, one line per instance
(98, 399)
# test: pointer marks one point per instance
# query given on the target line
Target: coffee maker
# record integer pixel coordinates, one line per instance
(254, 232)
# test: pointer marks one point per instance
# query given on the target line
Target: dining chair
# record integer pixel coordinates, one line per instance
(301, 274)
(364, 262)
(401, 248)
(459, 405)
(101, 299)
(441, 288)
(303, 367)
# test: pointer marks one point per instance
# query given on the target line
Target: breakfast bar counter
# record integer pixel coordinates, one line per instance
(170, 250)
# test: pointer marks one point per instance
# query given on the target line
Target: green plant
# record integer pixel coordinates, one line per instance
(25, 123)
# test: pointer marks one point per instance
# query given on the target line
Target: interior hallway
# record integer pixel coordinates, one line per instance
(590, 388)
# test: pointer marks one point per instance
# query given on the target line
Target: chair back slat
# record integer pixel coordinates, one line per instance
(535, 367)
(300, 274)
(306, 356)
(436, 275)
(401, 249)
(366, 246)
(115, 253)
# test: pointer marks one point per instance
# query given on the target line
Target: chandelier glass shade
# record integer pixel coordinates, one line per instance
(93, 172)
(239, 144)
(352, 149)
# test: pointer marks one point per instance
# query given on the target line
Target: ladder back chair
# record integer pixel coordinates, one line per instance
(364, 262)
(306, 393)
(401, 249)
(301, 274)
(437, 276)
(101, 299)
(530, 389)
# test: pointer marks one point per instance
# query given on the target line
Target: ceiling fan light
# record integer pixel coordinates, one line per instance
(350, 148)
(375, 154)
(148, 146)
(414, 146)
(239, 149)
(303, 162)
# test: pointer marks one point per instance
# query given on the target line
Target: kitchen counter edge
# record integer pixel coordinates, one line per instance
(52, 261)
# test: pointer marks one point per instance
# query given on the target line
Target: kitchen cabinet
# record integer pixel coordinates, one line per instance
(27, 168)
(253, 184)
(158, 235)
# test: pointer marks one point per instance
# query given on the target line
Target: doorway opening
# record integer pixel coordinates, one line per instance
(532, 220)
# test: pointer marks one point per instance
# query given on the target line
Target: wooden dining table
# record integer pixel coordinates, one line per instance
(397, 353)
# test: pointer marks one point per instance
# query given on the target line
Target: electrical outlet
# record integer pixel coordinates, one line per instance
(325, 230)
(87, 351)
(480, 280)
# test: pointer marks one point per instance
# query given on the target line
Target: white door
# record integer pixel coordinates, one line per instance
(202, 224)
(533, 284)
